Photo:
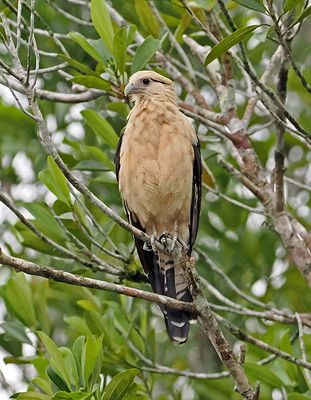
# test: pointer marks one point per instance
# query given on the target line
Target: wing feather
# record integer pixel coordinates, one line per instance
(196, 195)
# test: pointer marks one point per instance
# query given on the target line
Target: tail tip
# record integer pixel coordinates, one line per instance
(178, 331)
(179, 340)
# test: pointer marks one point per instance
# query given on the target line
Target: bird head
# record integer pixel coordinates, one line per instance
(150, 85)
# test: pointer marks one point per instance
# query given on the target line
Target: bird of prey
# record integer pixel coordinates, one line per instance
(158, 167)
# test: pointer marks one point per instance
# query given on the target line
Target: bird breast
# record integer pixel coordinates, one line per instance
(156, 161)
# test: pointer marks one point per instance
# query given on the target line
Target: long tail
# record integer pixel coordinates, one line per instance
(175, 286)
(167, 278)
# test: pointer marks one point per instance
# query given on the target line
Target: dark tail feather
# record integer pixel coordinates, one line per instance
(167, 279)
(175, 286)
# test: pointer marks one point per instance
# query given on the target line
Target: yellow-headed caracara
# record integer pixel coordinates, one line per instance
(159, 170)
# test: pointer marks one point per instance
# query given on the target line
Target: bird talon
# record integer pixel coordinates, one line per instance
(147, 246)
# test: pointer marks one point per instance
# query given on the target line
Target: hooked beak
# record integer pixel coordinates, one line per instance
(130, 88)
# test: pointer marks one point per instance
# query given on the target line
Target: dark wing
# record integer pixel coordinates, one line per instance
(196, 195)
(148, 259)
(117, 156)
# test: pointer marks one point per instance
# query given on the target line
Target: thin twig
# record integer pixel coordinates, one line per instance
(69, 254)
(303, 347)
(237, 332)
(233, 201)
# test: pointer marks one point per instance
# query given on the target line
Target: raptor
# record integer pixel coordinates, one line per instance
(158, 167)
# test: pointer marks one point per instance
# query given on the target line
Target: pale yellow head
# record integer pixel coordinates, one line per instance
(144, 85)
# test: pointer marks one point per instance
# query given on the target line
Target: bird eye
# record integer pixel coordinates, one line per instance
(146, 81)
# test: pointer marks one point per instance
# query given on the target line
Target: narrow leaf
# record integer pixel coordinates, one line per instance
(57, 361)
(131, 32)
(147, 18)
(302, 16)
(119, 48)
(93, 152)
(46, 178)
(290, 4)
(102, 22)
(266, 375)
(59, 179)
(206, 4)
(255, 5)
(33, 396)
(19, 296)
(77, 65)
(45, 221)
(144, 53)
(86, 46)
(100, 127)
(89, 165)
(228, 42)
(92, 82)
(90, 354)
(119, 385)
(16, 330)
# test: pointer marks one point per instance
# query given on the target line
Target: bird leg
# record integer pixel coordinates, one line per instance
(172, 245)
(153, 238)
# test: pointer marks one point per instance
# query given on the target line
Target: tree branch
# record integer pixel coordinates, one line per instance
(57, 275)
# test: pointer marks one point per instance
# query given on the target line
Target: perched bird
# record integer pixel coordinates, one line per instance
(158, 167)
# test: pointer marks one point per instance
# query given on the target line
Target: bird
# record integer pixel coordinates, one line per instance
(159, 173)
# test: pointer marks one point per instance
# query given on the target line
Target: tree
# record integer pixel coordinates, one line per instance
(242, 74)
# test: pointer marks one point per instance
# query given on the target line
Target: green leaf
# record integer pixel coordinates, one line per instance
(19, 296)
(56, 379)
(95, 152)
(147, 18)
(101, 127)
(92, 82)
(119, 48)
(78, 324)
(45, 176)
(89, 165)
(206, 4)
(121, 108)
(57, 361)
(86, 46)
(119, 385)
(131, 393)
(266, 375)
(77, 349)
(91, 353)
(255, 5)
(29, 239)
(88, 305)
(302, 16)
(131, 32)
(77, 65)
(60, 180)
(43, 384)
(16, 330)
(102, 22)
(298, 396)
(33, 396)
(144, 53)
(72, 396)
(302, 385)
(290, 4)
(71, 365)
(45, 220)
(40, 302)
(229, 41)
